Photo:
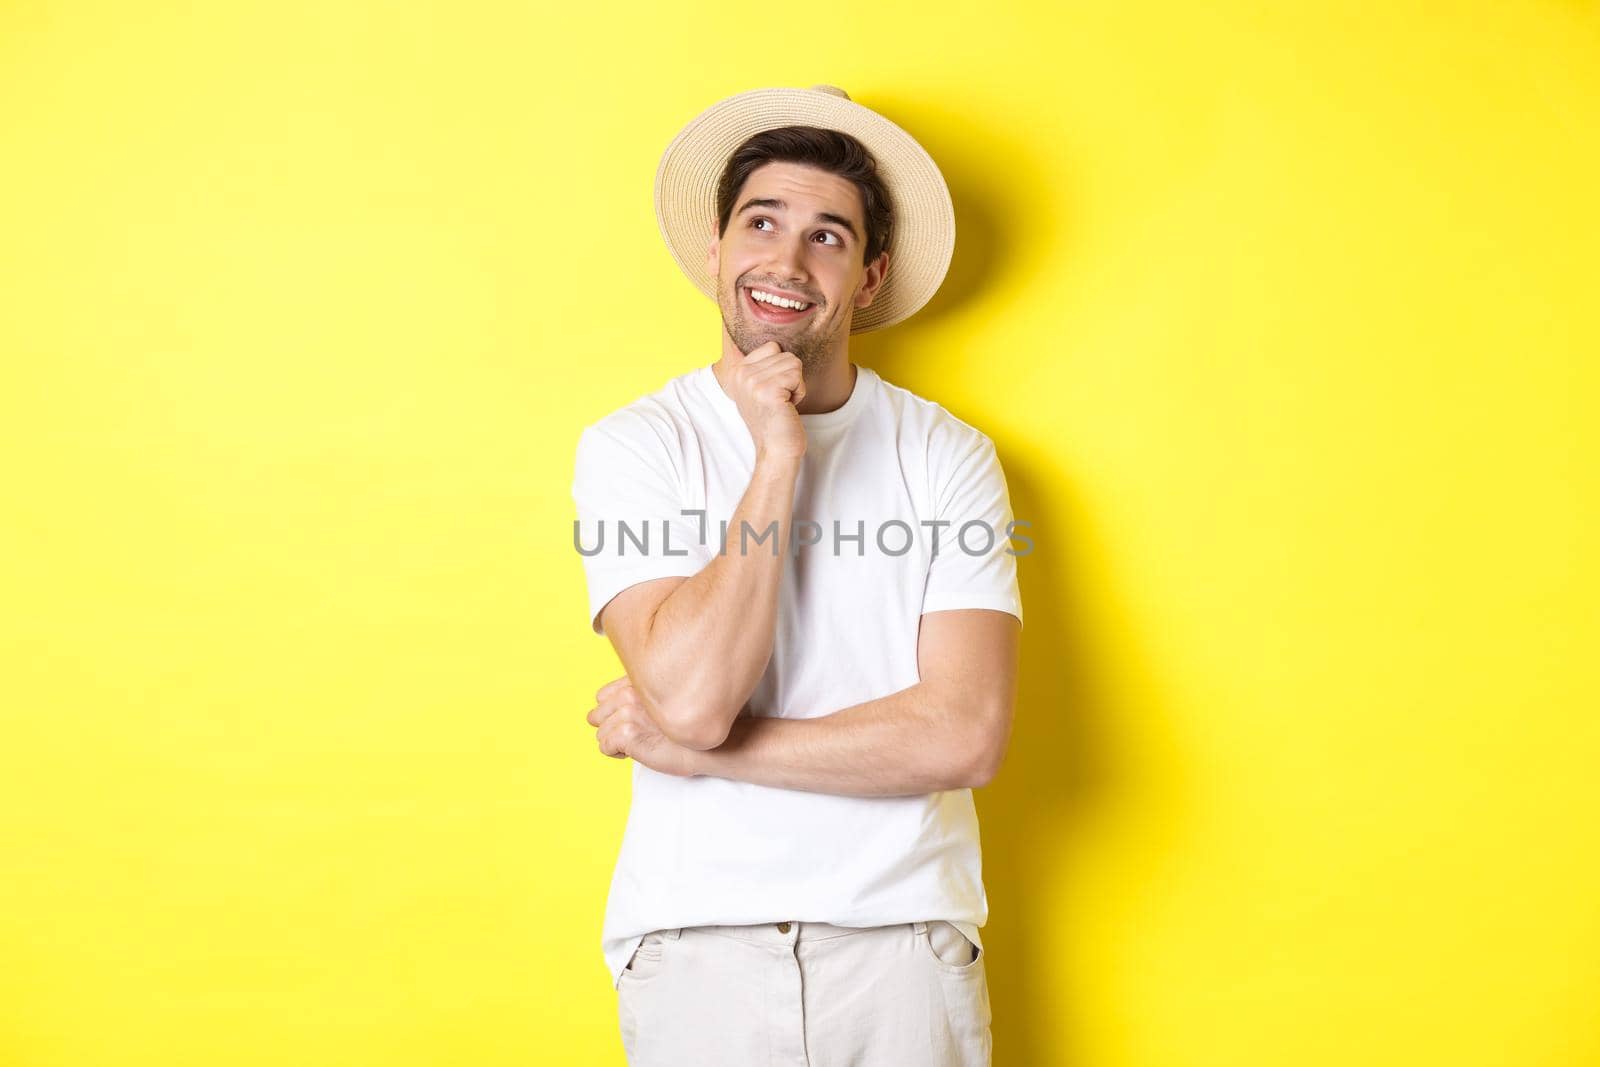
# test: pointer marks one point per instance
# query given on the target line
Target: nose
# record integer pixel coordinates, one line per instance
(788, 263)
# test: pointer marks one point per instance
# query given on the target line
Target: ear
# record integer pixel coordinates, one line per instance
(872, 280)
(713, 250)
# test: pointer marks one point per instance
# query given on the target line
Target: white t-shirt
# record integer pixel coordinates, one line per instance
(887, 465)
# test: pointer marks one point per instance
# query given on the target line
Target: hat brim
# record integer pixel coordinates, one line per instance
(924, 233)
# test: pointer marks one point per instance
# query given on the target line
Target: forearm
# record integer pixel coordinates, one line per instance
(711, 639)
(910, 742)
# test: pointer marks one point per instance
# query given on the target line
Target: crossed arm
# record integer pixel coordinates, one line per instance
(947, 731)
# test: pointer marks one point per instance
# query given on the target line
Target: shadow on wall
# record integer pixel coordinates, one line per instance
(1064, 771)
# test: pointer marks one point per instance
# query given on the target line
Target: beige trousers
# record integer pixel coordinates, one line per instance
(806, 995)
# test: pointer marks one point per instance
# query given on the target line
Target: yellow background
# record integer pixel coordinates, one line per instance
(1283, 320)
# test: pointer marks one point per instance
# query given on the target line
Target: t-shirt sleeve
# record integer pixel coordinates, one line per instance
(630, 524)
(974, 563)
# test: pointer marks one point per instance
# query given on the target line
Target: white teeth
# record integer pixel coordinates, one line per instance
(768, 298)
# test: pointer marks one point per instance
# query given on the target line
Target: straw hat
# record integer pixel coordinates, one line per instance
(924, 234)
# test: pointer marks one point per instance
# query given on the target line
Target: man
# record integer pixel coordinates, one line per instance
(807, 574)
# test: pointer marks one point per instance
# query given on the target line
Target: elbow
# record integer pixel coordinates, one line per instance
(978, 770)
(982, 753)
(684, 719)
(693, 727)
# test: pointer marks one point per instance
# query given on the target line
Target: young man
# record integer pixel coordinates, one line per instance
(807, 573)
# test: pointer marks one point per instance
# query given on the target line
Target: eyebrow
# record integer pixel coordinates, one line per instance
(822, 216)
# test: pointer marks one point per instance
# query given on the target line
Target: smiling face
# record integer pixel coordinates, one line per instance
(796, 233)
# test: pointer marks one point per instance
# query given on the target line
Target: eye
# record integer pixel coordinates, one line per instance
(836, 238)
(759, 218)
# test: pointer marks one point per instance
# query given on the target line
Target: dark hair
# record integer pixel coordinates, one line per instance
(830, 150)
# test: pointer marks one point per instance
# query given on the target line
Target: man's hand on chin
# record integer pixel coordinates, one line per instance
(626, 731)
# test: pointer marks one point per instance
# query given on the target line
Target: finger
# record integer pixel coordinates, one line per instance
(778, 386)
(783, 394)
(775, 360)
(761, 351)
(620, 736)
(610, 743)
(766, 356)
(619, 698)
(787, 371)
(610, 687)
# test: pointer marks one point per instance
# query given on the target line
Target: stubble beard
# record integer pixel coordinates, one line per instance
(750, 334)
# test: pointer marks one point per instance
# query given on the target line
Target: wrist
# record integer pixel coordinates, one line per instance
(690, 764)
(778, 463)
